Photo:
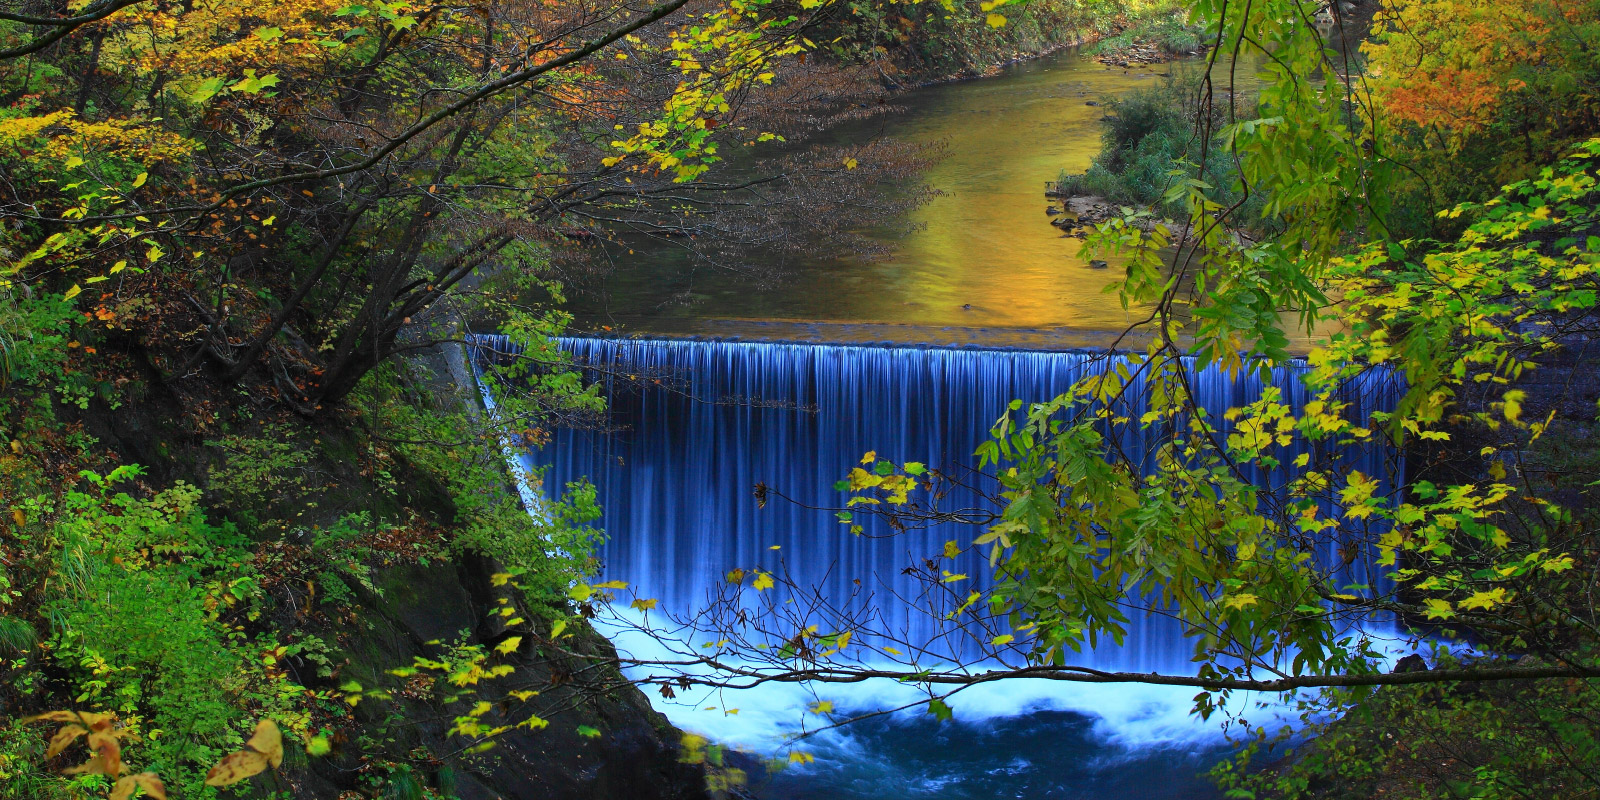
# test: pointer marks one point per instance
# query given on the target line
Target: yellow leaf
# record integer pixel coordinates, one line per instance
(73, 292)
(1239, 601)
(643, 604)
(798, 757)
(500, 578)
(557, 628)
(1561, 564)
(1436, 608)
(871, 456)
(1002, 640)
(612, 585)
(763, 581)
(139, 181)
(822, 707)
(1485, 600)
(996, 20)
(509, 645)
(1514, 400)
(268, 741)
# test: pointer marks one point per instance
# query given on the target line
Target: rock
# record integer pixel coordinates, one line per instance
(1411, 663)
(1052, 211)
(1098, 264)
(967, 306)
(1091, 103)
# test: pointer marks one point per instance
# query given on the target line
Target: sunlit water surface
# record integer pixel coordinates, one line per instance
(978, 263)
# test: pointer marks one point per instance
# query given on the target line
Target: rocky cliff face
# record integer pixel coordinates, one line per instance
(635, 753)
(602, 740)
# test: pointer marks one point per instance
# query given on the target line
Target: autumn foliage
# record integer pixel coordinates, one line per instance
(265, 749)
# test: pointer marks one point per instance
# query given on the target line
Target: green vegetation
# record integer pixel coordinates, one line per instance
(1164, 25)
(1151, 145)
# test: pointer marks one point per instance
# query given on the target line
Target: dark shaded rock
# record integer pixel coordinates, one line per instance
(418, 610)
(1411, 663)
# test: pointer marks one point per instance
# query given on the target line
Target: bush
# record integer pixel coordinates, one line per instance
(1149, 141)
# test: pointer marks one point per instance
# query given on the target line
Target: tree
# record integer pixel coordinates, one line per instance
(287, 193)
(1479, 94)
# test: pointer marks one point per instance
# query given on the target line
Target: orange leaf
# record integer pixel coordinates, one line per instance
(264, 748)
(107, 759)
(236, 767)
(152, 785)
(63, 738)
(52, 716)
(94, 721)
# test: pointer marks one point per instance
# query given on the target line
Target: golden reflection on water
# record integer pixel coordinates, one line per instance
(985, 260)
(987, 242)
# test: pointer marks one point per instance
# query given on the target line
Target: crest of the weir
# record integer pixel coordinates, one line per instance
(697, 425)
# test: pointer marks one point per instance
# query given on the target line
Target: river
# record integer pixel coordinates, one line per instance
(978, 263)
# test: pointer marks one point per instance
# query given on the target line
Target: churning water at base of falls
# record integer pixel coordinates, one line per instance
(695, 426)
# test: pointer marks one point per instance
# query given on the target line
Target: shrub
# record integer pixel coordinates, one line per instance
(1149, 140)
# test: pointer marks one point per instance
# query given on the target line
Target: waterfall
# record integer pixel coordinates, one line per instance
(699, 424)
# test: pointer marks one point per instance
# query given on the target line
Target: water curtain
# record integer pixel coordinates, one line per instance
(696, 426)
